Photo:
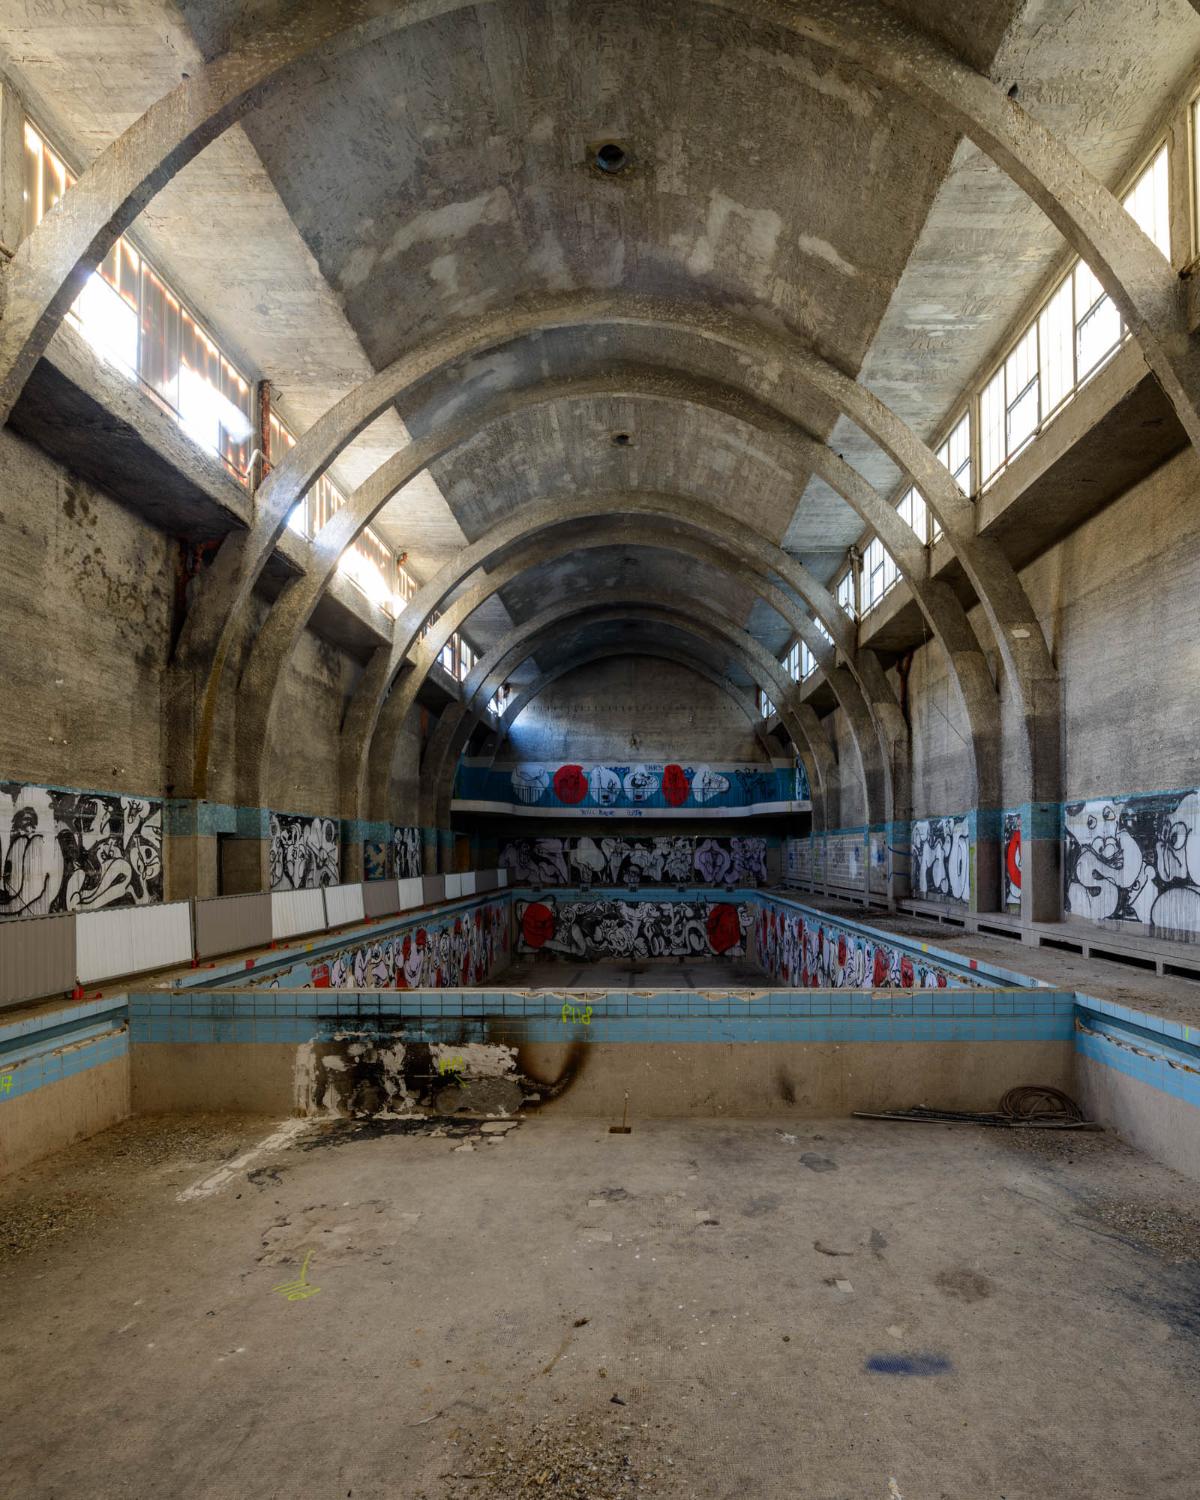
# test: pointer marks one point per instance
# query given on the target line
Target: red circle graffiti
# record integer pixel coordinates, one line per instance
(724, 930)
(907, 975)
(880, 976)
(570, 784)
(675, 786)
(537, 924)
(1012, 859)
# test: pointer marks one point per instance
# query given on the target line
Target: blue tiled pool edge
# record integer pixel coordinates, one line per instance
(61, 1042)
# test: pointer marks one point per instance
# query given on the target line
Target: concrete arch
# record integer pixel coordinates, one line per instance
(458, 720)
(674, 611)
(940, 606)
(864, 725)
(686, 515)
(211, 627)
(49, 267)
(819, 761)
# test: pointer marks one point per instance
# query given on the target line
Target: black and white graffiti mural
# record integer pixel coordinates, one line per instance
(1135, 859)
(941, 859)
(77, 851)
(618, 861)
(536, 861)
(604, 928)
(407, 862)
(304, 852)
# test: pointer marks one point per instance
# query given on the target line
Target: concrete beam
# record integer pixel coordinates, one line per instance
(944, 614)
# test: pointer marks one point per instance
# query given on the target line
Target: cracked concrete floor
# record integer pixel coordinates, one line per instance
(837, 1311)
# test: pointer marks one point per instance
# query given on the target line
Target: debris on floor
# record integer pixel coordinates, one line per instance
(585, 1458)
(1032, 1106)
(27, 1226)
(1172, 1232)
(340, 1131)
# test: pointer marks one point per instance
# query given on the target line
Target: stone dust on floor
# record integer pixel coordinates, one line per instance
(701, 1310)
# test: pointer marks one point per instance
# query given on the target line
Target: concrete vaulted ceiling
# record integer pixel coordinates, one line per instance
(446, 171)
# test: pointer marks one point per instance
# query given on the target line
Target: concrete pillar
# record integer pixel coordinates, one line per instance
(355, 834)
(865, 857)
(1041, 862)
(429, 851)
(445, 857)
(192, 852)
(12, 167)
(1179, 168)
(246, 858)
(896, 838)
(985, 824)
(260, 440)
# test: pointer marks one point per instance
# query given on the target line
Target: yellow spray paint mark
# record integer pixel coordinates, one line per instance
(6, 1083)
(298, 1290)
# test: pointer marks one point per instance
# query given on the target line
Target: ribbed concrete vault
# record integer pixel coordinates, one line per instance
(567, 562)
(532, 269)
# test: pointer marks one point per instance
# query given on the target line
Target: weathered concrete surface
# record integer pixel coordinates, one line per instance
(87, 593)
(631, 708)
(689, 1269)
(57, 1115)
(664, 1080)
(1155, 1122)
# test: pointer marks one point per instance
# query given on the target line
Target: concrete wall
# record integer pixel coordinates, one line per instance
(303, 751)
(94, 595)
(1118, 601)
(632, 709)
(88, 596)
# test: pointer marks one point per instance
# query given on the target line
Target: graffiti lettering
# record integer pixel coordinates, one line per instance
(941, 859)
(655, 861)
(631, 929)
(1135, 859)
(455, 951)
(824, 956)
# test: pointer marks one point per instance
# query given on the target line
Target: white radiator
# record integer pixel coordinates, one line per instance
(412, 893)
(468, 883)
(453, 886)
(502, 878)
(108, 943)
(294, 912)
(343, 903)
